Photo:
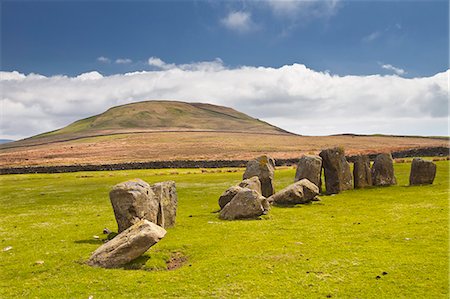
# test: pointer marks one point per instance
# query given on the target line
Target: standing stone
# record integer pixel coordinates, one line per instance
(310, 167)
(246, 203)
(128, 245)
(228, 195)
(132, 201)
(383, 171)
(338, 176)
(302, 191)
(263, 167)
(166, 194)
(252, 183)
(361, 171)
(422, 172)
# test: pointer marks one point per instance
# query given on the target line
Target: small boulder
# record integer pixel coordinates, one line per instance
(245, 204)
(338, 176)
(228, 195)
(263, 167)
(166, 194)
(361, 172)
(383, 171)
(128, 245)
(309, 167)
(132, 201)
(422, 172)
(303, 191)
(252, 183)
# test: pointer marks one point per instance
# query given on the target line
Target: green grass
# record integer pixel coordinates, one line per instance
(336, 247)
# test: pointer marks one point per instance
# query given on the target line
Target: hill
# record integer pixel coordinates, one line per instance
(170, 130)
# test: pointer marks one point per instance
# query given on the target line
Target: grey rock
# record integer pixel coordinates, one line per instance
(338, 176)
(252, 183)
(361, 172)
(128, 245)
(166, 194)
(228, 195)
(422, 172)
(383, 171)
(309, 167)
(303, 191)
(132, 201)
(263, 167)
(245, 204)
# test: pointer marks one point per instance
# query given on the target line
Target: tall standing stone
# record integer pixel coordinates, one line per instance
(361, 172)
(309, 167)
(422, 172)
(263, 167)
(338, 176)
(166, 194)
(383, 170)
(132, 201)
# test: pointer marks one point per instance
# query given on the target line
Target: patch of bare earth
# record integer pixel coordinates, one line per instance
(177, 260)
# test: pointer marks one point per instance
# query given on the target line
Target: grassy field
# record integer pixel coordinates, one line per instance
(376, 243)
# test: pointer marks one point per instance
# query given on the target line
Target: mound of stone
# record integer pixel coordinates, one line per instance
(361, 171)
(303, 191)
(422, 172)
(135, 200)
(383, 170)
(245, 204)
(128, 245)
(309, 167)
(263, 167)
(338, 176)
(252, 183)
(228, 195)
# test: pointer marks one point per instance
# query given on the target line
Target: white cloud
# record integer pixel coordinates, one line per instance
(123, 61)
(371, 37)
(396, 70)
(293, 97)
(304, 9)
(103, 59)
(239, 21)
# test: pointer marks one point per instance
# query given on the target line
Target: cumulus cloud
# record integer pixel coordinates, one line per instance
(396, 70)
(304, 9)
(239, 21)
(371, 37)
(123, 61)
(293, 97)
(103, 59)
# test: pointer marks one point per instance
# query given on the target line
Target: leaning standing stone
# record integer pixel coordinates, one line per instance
(246, 203)
(166, 194)
(338, 176)
(128, 245)
(383, 171)
(263, 167)
(252, 183)
(422, 172)
(309, 167)
(228, 195)
(132, 201)
(361, 172)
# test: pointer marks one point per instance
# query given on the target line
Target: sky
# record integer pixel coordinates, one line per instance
(310, 67)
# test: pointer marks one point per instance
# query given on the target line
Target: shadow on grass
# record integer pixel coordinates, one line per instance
(89, 241)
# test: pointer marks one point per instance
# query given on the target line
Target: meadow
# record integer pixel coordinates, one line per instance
(389, 242)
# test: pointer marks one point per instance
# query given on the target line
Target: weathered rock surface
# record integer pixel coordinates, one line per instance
(361, 171)
(246, 203)
(303, 191)
(383, 171)
(338, 176)
(263, 167)
(166, 194)
(422, 172)
(228, 195)
(252, 183)
(128, 245)
(309, 167)
(132, 201)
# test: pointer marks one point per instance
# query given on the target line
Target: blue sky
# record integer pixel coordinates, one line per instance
(310, 67)
(346, 37)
